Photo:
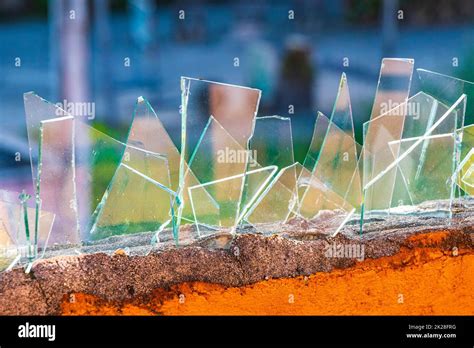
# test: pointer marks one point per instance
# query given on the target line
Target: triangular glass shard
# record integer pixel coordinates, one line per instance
(341, 114)
(336, 169)
(319, 133)
(138, 198)
(276, 204)
(337, 164)
(224, 213)
(97, 157)
(148, 133)
(448, 89)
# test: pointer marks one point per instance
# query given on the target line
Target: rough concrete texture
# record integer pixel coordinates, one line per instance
(249, 258)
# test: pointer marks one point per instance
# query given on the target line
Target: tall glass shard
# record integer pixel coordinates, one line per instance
(272, 144)
(418, 113)
(138, 198)
(385, 125)
(393, 87)
(337, 164)
(334, 183)
(55, 184)
(38, 109)
(234, 107)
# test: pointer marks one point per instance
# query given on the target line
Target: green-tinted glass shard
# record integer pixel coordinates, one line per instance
(465, 173)
(138, 198)
(97, 157)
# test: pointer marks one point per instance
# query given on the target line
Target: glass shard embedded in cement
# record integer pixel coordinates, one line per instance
(138, 198)
(426, 160)
(223, 213)
(276, 203)
(334, 181)
(234, 107)
(271, 144)
(17, 219)
(97, 157)
(385, 125)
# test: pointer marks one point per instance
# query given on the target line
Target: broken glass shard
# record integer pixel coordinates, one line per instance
(234, 107)
(56, 189)
(320, 129)
(393, 87)
(429, 159)
(97, 157)
(138, 198)
(276, 203)
(448, 89)
(223, 212)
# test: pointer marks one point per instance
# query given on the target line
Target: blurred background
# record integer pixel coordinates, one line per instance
(106, 53)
